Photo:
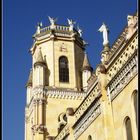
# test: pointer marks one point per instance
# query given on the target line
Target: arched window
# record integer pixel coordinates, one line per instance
(63, 69)
(128, 129)
(89, 137)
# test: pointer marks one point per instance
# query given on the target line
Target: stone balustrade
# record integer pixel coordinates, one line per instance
(123, 77)
(45, 29)
(93, 112)
(58, 30)
(95, 92)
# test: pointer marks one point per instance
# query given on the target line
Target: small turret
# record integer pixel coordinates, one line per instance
(39, 70)
(86, 72)
(29, 87)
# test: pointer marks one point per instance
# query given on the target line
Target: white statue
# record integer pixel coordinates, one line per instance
(85, 43)
(71, 24)
(131, 21)
(105, 30)
(79, 31)
(52, 21)
(39, 25)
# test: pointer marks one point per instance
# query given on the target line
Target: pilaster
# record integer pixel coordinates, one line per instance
(106, 107)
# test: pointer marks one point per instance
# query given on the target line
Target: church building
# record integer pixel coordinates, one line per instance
(67, 99)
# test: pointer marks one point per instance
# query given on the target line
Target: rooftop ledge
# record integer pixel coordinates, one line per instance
(56, 29)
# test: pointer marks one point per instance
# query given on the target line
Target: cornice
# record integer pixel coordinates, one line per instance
(83, 123)
(73, 95)
(123, 77)
(119, 49)
(63, 133)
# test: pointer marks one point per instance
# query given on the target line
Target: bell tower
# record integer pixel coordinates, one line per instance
(63, 49)
(55, 81)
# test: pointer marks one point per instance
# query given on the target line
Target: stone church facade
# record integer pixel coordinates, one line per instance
(68, 100)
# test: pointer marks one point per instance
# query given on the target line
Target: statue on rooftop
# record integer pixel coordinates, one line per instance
(71, 24)
(52, 21)
(39, 25)
(79, 31)
(105, 31)
(132, 22)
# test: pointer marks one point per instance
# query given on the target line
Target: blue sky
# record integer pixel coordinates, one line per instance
(20, 18)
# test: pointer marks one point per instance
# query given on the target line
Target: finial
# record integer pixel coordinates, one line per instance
(105, 31)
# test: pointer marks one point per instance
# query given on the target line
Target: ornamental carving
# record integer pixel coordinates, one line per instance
(123, 77)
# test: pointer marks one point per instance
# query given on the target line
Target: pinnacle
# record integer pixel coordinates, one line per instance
(86, 61)
(86, 64)
(39, 57)
(29, 82)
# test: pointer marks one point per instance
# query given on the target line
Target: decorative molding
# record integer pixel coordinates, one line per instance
(63, 133)
(95, 93)
(126, 74)
(87, 119)
(63, 48)
(40, 94)
(58, 94)
(124, 54)
(39, 129)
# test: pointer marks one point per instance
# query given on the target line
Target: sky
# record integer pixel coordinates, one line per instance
(20, 18)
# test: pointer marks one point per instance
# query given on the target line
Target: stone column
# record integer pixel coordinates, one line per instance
(34, 111)
(106, 107)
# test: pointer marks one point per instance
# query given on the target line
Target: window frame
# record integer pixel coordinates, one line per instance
(63, 69)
